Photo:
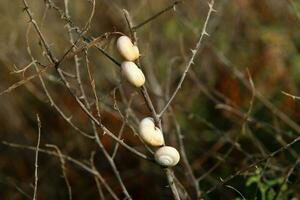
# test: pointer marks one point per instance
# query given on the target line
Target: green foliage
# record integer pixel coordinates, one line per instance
(269, 189)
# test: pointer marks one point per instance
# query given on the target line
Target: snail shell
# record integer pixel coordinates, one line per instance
(132, 73)
(128, 50)
(151, 134)
(147, 122)
(167, 156)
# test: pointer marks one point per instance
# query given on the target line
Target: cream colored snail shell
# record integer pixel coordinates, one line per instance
(133, 74)
(151, 134)
(167, 156)
(128, 50)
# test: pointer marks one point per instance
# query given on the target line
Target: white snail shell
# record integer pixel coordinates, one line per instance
(167, 156)
(151, 134)
(128, 50)
(132, 73)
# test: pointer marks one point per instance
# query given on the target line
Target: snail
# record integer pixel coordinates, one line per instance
(132, 73)
(128, 50)
(167, 156)
(151, 134)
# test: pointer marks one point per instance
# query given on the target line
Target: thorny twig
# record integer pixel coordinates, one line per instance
(238, 74)
(99, 188)
(87, 105)
(63, 168)
(56, 63)
(52, 102)
(68, 158)
(286, 178)
(172, 6)
(187, 165)
(290, 95)
(239, 172)
(36, 158)
(191, 60)
(169, 172)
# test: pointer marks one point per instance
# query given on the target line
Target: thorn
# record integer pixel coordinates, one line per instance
(15, 67)
(69, 118)
(211, 3)
(193, 51)
(205, 33)
(25, 8)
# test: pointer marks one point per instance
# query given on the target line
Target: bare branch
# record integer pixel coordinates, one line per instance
(65, 157)
(238, 74)
(36, 158)
(172, 6)
(63, 168)
(290, 95)
(239, 172)
(191, 61)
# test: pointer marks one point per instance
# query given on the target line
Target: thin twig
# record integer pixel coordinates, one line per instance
(65, 157)
(170, 177)
(286, 178)
(235, 142)
(6, 180)
(239, 172)
(238, 74)
(169, 172)
(172, 6)
(24, 69)
(236, 190)
(191, 61)
(187, 165)
(52, 102)
(36, 158)
(23, 81)
(99, 188)
(63, 168)
(56, 63)
(125, 121)
(87, 105)
(290, 95)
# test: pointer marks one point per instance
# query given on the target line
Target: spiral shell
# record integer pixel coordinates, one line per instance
(128, 50)
(133, 74)
(151, 134)
(167, 156)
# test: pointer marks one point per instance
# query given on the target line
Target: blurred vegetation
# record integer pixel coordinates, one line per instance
(259, 37)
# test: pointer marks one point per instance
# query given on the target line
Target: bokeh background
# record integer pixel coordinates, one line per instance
(249, 39)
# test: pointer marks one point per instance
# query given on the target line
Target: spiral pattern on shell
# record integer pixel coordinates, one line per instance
(167, 156)
(149, 133)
